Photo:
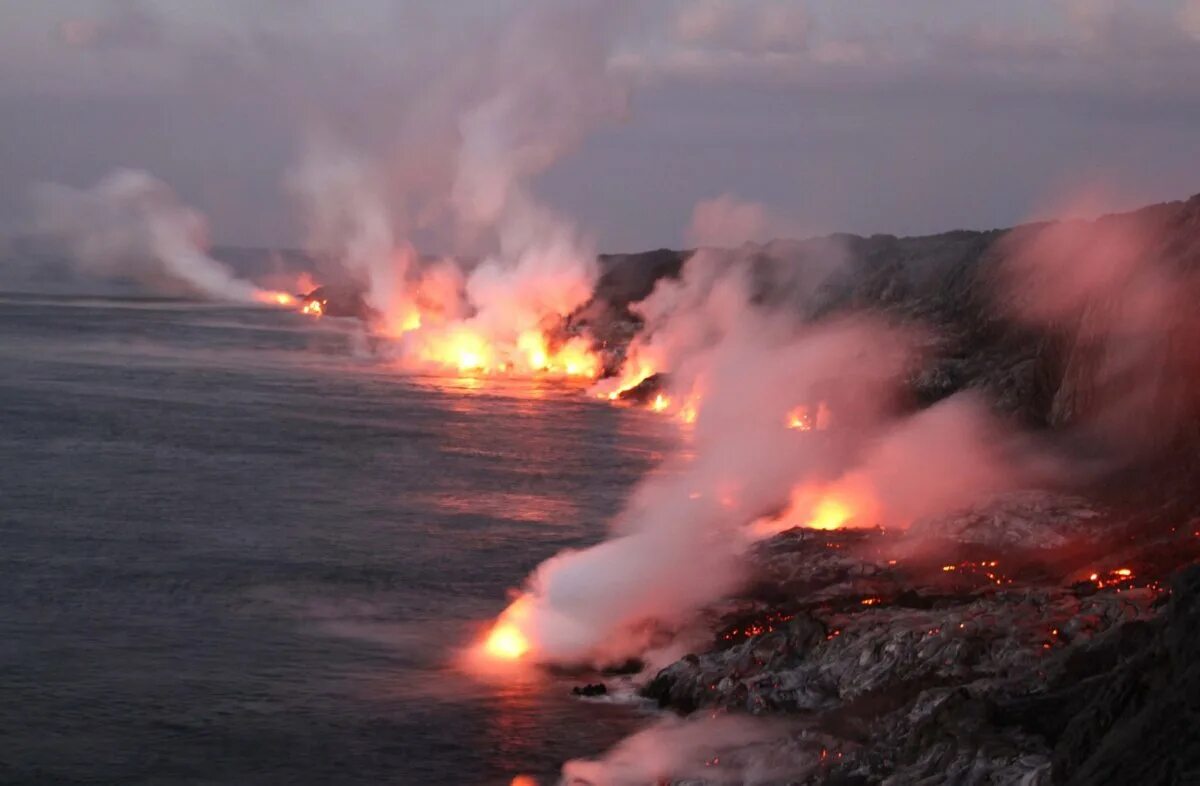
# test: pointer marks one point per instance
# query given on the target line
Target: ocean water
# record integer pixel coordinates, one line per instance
(237, 548)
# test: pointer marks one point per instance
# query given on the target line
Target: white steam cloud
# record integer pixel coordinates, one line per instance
(723, 750)
(853, 455)
(130, 225)
(509, 111)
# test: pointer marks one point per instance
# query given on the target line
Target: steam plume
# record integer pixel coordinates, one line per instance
(521, 102)
(131, 225)
(674, 750)
(855, 457)
(1120, 302)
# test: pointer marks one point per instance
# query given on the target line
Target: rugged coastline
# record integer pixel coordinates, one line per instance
(1039, 637)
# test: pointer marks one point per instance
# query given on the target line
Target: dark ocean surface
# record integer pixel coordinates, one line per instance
(236, 548)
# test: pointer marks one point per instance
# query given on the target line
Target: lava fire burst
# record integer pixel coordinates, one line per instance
(275, 298)
(506, 640)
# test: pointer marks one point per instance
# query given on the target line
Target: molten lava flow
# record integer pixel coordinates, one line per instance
(471, 352)
(660, 403)
(756, 627)
(314, 308)
(632, 374)
(848, 504)
(274, 298)
(984, 570)
(1116, 578)
(507, 641)
(830, 513)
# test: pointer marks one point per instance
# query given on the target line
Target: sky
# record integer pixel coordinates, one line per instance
(805, 116)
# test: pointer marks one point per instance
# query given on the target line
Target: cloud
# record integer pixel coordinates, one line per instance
(747, 26)
(130, 26)
(1189, 18)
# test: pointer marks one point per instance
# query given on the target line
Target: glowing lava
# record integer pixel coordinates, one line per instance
(848, 504)
(802, 418)
(314, 308)
(798, 419)
(274, 298)
(1117, 577)
(506, 642)
(470, 352)
(830, 513)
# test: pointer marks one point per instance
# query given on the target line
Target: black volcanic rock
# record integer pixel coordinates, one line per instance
(1138, 720)
(953, 283)
(341, 302)
(983, 674)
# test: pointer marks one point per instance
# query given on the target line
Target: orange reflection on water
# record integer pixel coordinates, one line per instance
(511, 505)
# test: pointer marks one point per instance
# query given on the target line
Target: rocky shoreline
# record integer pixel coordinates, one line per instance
(1038, 638)
(958, 673)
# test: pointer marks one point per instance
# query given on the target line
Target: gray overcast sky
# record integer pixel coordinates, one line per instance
(875, 115)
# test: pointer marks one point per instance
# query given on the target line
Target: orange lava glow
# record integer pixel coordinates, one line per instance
(749, 630)
(798, 419)
(848, 504)
(470, 352)
(1117, 577)
(274, 298)
(803, 418)
(632, 374)
(506, 642)
(685, 413)
(314, 308)
(978, 571)
(830, 513)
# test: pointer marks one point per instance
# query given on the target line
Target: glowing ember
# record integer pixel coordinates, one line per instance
(660, 403)
(769, 622)
(314, 308)
(983, 570)
(1117, 577)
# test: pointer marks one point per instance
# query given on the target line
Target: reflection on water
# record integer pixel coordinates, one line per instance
(514, 505)
(230, 540)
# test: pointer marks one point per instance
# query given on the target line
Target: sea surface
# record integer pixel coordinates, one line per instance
(238, 546)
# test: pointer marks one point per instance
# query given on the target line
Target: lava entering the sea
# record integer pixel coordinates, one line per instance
(506, 640)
